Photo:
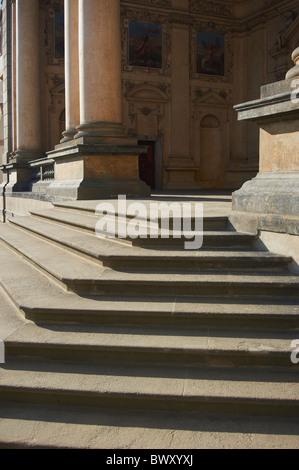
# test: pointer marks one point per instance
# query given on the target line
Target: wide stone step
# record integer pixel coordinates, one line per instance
(52, 304)
(85, 277)
(196, 347)
(29, 426)
(87, 223)
(88, 278)
(211, 222)
(168, 313)
(243, 392)
(123, 258)
(188, 285)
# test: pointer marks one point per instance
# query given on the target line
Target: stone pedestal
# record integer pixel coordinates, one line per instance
(270, 202)
(91, 168)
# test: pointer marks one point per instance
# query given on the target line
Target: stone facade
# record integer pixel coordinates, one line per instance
(177, 91)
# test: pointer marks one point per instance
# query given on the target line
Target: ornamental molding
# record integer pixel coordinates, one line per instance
(146, 99)
(155, 3)
(211, 8)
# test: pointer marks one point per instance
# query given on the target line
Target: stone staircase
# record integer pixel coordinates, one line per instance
(141, 344)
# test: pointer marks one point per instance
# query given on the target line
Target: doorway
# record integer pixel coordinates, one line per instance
(147, 163)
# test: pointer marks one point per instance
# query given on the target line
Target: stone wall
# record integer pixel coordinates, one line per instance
(181, 96)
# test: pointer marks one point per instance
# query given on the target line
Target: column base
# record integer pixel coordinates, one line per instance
(69, 135)
(101, 132)
(269, 202)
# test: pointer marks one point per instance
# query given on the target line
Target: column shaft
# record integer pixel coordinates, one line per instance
(100, 61)
(72, 102)
(29, 138)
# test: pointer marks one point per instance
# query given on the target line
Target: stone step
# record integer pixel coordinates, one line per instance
(88, 278)
(133, 345)
(29, 426)
(123, 258)
(164, 346)
(145, 312)
(242, 392)
(211, 222)
(87, 223)
(53, 304)
(129, 284)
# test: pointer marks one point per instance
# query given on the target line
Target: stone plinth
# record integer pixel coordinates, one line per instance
(270, 202)
(95, 168)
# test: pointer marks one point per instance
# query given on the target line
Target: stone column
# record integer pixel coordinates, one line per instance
(101, 161)
(100, 67)
(72, 105)
(29, 136)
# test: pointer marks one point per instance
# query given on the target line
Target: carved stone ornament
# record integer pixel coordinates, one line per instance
(211, 8)
(156, 3)
(210, 99)
(147, 99)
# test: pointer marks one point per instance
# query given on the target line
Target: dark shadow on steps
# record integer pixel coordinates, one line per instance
(151, 420)
(256, 375)
(198, 332)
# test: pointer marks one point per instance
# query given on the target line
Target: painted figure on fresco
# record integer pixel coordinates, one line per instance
(210, 50)
(145, 44)
(210, 53)
(144, 49)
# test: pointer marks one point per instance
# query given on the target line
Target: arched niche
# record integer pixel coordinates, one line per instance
(211, 139)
